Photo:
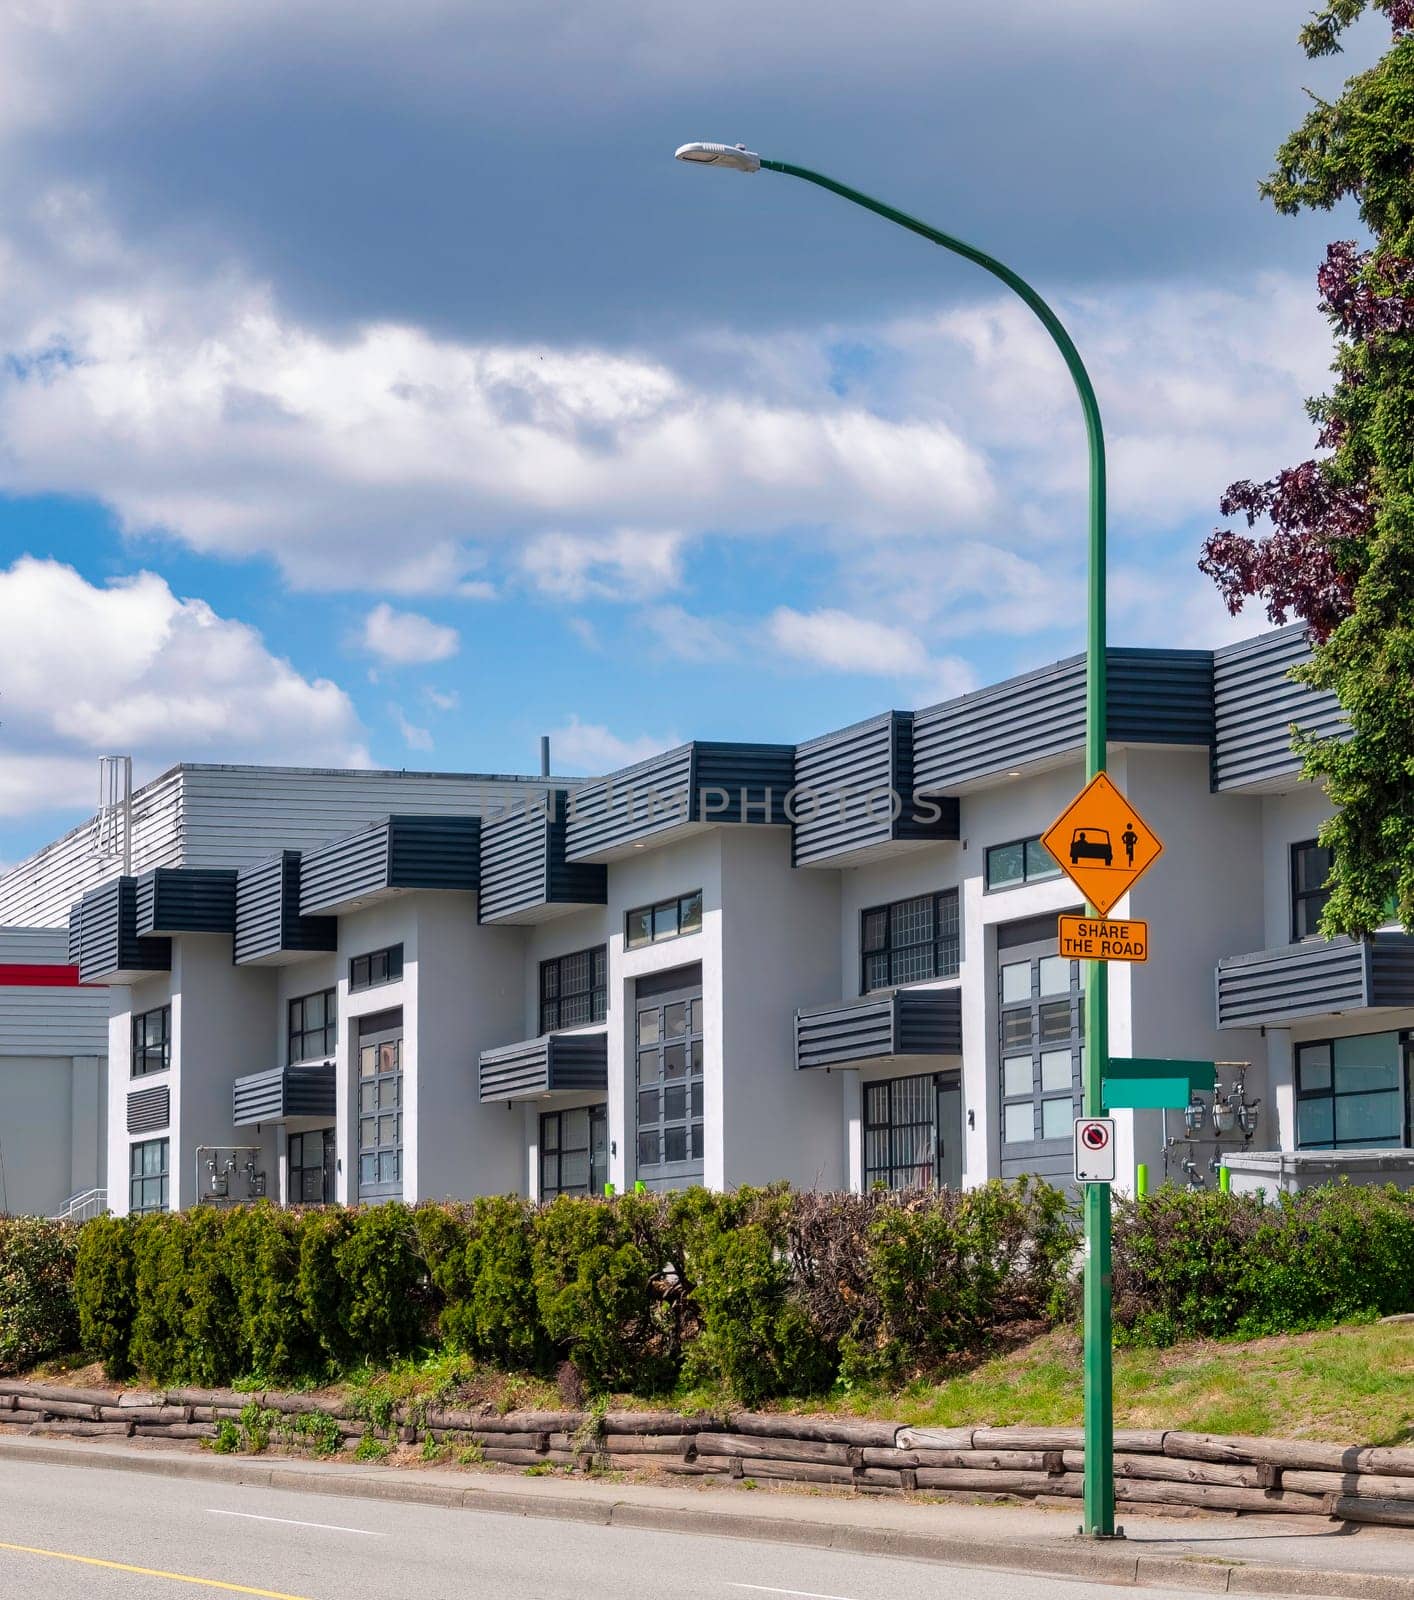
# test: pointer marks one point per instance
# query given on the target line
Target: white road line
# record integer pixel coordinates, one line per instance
(291, 1522)
(803, 1594)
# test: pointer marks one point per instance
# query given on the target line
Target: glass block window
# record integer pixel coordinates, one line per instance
(909, 941)
(669, 1086)
(148, 1172)
(574, 1152)
(1310, 867)
(901, 1133)
(1021, 861)
(1350, 1092)
(1042, 1048)
(152, 1041)
(313, 1031)
(311, 1161)
(380, 1114)
(574, 989)
(666, 919)
(378, 966)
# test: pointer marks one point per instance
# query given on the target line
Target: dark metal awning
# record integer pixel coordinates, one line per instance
(306, 1090)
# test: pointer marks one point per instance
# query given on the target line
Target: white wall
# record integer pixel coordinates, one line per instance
(469, 983)
(1287, 819)
(1202, 899)
(224, 1025)
(780, 949)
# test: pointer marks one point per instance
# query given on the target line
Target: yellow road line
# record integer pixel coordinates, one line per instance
(152, 1572)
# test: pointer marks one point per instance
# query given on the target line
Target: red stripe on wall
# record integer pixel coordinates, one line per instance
(27, 976)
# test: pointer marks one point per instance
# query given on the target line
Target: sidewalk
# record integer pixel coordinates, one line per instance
(1217, 1555)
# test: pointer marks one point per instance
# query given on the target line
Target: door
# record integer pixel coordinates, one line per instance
(380, 1106)
(311, 1163)
(950, 1130)
(668, 1099)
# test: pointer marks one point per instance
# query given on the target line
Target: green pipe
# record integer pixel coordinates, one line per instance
(1141, 1179)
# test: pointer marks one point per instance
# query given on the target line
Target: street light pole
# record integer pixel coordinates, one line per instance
(1099, 1504)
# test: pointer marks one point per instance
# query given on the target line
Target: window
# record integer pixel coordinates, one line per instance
(313, 1026)
(1348, 1093)
(379, 966)
(1310, 867)
(666, 920)
(901, 1149)
(909, 941)
(1021, 861)
(380, 1110)
(152, 1041)
(669, 1084)
(312, 1168)
(1042, 1034)
(147, 1175)
(574, 1152)
(574, 989)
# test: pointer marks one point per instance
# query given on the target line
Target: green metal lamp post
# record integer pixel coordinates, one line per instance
(1099, 1406)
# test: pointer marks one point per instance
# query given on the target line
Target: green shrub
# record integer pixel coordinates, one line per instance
(184, 1322)
(272, 1338)
(754, 1336)
(1199, 1263)
(482, 1261)
(602, 1291)
(38, 1316)
(104, 1289)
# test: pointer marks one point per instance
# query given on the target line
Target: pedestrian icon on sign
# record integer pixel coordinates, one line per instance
(1129, 839)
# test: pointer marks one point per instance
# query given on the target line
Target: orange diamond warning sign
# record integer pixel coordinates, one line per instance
(1102, 843)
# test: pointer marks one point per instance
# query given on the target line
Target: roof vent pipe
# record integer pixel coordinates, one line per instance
(544, 755)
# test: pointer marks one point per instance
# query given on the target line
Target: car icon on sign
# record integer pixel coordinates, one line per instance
(1092, 844)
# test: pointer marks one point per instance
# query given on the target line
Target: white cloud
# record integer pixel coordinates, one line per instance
(130, 667)
(685, 637)
(838, 641)
(592, 748)
(441, 699)
(404, 638)
(628, 564)
(414, 737)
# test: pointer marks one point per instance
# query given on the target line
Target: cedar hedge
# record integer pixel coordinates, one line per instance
(764, 1292)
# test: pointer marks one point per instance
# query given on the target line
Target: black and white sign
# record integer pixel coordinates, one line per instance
(1094, 1150)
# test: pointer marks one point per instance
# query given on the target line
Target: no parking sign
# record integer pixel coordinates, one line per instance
(1094, 1150)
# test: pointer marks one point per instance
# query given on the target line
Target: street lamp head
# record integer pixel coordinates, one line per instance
(735, 156)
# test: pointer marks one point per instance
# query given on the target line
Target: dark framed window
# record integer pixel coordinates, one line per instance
(669, 1081)
(148, 1163)
(378, 966)
(574, 1151)
(380, 1107)
(664, 920)
(314, 1026)
(1042, 1014)
(1350, 1092)
(909, 941)
(1310, 867)
(152, 1041)
(311, 1157)
(905, 1134)
(574, 989)
(1020, 861)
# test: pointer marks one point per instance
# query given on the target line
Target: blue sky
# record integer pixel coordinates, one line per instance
(378, 390)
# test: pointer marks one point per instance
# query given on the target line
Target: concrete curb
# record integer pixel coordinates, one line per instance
(1104, 1563)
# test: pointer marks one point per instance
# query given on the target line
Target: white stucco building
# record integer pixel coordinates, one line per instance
(730, 964)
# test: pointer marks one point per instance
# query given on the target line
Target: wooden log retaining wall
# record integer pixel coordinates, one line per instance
(1154, 1468)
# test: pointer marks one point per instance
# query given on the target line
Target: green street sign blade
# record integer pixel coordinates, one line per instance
(1201, 1075)
(1146, 1094)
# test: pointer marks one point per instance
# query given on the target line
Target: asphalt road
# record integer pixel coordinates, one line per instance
(76, 1533)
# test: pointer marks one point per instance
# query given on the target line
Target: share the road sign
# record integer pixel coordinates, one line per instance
(1094, 1150)
(1102, 939)
(1101, 843)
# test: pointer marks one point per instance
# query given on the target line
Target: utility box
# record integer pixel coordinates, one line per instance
(1289, 1171)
